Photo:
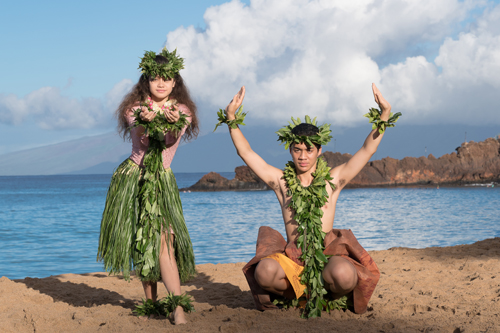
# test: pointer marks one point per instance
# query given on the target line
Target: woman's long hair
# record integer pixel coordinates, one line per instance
(140, 93)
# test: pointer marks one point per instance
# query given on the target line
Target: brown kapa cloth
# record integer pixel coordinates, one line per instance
(337, 242)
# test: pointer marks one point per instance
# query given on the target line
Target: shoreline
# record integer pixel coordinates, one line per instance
(356, 186)
(452, 289)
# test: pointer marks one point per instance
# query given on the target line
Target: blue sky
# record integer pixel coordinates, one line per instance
(65, 65)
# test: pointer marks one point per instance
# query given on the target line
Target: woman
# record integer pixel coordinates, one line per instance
(143, 224)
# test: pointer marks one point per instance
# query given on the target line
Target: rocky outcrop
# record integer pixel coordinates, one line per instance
(244, 180)
(473, 162)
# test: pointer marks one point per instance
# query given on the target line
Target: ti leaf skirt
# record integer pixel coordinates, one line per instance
(118, 248)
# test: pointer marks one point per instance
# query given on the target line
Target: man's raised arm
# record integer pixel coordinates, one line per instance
(347, 171)
(266, 172)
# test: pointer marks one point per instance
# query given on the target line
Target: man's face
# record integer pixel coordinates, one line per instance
(304, 157)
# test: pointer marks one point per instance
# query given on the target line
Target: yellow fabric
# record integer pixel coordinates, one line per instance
(292, 272)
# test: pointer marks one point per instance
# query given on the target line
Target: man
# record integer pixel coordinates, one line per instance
(277, 267)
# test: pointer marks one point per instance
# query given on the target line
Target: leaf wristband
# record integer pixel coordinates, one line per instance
(374, 117)
(239, 117)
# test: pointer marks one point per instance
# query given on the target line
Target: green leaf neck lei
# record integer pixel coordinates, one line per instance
(148, 240)
(306, 203)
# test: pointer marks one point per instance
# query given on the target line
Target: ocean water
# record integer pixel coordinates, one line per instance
(49, 225)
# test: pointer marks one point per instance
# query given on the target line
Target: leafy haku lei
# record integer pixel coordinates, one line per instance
(239, 117)
(306, 203)
(374, 117)
(150, 220)
(286, 136)
(151, 68)
(164, 306)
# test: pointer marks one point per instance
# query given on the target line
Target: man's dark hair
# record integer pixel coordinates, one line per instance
(306, 130)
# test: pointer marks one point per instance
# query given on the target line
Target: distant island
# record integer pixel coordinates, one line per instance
(473, 162)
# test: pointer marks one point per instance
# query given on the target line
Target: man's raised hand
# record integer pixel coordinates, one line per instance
(385, 107)
(235, 103)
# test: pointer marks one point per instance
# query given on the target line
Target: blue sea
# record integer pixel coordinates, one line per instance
(49, 225)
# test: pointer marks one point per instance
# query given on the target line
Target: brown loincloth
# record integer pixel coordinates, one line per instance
(337, 242)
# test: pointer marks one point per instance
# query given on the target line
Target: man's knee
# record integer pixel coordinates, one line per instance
(266, 272)
(340, 274)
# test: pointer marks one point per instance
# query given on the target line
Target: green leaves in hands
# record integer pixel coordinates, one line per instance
(157, 127)
(374, 117)
(239, 117)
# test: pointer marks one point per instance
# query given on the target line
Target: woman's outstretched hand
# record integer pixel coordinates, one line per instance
(172, 115)
(147, 115)
(235, 103)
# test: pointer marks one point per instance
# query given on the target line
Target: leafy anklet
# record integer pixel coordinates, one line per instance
(164, 306)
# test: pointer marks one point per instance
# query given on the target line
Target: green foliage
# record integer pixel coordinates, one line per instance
(286, 303)
(151, 68)
(157, 127)
(239, 117)
(164, 306)
(341, 303)
(152, 218)
(374, 117)
(337, 304)
(171, 302)
(306, 203)
(121, 205)
(286, 136)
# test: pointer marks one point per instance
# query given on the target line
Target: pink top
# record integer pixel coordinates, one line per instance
(140, 144)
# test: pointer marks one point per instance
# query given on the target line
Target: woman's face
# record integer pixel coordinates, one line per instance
(160, 89)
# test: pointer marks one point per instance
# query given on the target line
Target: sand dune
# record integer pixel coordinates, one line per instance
(450, 289)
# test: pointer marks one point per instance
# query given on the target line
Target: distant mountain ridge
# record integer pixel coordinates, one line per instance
(215, 152)
(95, 154)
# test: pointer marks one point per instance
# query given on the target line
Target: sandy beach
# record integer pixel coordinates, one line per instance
(448, 289)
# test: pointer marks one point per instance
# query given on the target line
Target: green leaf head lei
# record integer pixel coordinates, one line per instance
(286, 136)
(151, 68)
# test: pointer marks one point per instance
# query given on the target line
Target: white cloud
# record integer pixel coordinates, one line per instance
(51, 110)
(319, 57)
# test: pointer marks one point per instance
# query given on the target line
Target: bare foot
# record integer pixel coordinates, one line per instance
(178, 316)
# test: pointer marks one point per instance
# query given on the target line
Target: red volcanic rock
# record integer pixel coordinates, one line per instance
(473, 162)
(244, 180)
